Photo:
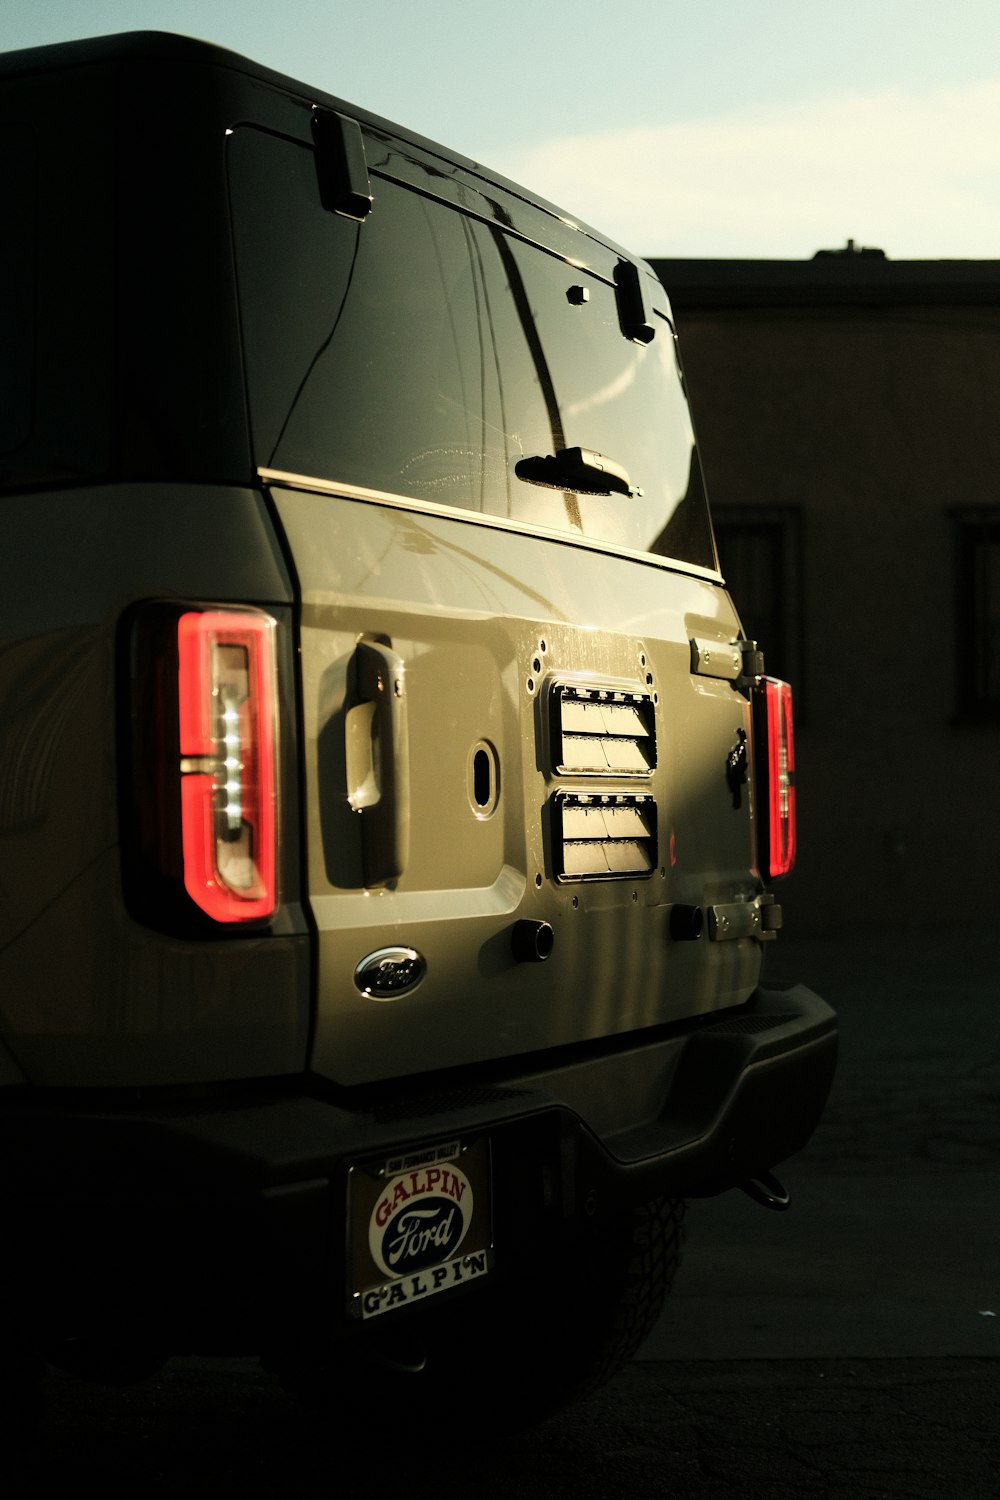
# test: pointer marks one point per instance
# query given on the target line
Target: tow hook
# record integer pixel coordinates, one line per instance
(765, 1189)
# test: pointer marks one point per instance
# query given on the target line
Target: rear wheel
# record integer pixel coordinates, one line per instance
(525, 1351)
(21, 1404)
(626, 1281)
(576, 1327)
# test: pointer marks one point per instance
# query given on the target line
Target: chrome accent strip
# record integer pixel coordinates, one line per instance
(478, 518)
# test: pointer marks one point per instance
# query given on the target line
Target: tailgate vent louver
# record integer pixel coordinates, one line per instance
(604, 836)
(602, 732)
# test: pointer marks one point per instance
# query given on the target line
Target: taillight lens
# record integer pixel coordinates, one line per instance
(227, 736)
(775, 752)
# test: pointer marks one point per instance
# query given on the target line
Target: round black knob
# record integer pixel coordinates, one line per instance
(686, 923)
(532, 942)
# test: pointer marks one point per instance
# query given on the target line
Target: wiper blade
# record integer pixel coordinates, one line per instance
(579, 469)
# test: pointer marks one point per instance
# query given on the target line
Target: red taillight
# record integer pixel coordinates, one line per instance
(776, 786)
(228, 762)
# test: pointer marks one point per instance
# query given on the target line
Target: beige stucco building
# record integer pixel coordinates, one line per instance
(848, 409)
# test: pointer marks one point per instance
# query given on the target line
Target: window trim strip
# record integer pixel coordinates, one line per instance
(286, 479)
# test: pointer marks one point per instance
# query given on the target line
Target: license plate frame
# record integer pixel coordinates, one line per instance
(419, 1223)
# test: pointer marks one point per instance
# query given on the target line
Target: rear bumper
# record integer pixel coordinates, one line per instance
(224, 1222)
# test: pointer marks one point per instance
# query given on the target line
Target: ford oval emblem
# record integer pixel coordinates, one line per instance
(420, 1219)
(389, 973)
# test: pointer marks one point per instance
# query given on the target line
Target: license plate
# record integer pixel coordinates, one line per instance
(419, 1223)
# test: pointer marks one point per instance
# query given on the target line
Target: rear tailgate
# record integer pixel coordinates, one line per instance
(505, 721)
(498, 650)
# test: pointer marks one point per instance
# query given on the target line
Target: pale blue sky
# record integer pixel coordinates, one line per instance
(708, 127)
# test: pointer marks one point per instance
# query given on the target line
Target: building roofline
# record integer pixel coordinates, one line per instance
(846, 277)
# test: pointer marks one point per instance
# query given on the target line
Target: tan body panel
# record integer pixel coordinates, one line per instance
(88, 996)
(486, 621)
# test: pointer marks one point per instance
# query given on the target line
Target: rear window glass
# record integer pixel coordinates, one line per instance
(427, 355)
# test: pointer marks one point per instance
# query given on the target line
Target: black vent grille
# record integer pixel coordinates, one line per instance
(604, 835)
(602, 732)
(746, 1025)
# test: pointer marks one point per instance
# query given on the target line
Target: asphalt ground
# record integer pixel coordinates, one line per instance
(711, 1429)
(891, 1248)
(849, 1348)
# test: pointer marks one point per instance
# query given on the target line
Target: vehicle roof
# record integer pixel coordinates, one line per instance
(169, 47)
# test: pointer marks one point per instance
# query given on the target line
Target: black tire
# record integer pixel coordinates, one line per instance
(520, 1354)
(21, 1408)
(566, 1344)
(629, 1281)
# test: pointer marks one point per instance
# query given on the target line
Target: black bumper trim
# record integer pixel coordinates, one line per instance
(662, 1108)
(243, 1205)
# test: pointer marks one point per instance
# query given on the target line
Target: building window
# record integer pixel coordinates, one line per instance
(760, 557)
(977, 614)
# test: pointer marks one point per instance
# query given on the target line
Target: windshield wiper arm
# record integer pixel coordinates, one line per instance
(579, 469)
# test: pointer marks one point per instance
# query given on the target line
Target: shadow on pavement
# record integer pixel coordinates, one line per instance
(706, 1429)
